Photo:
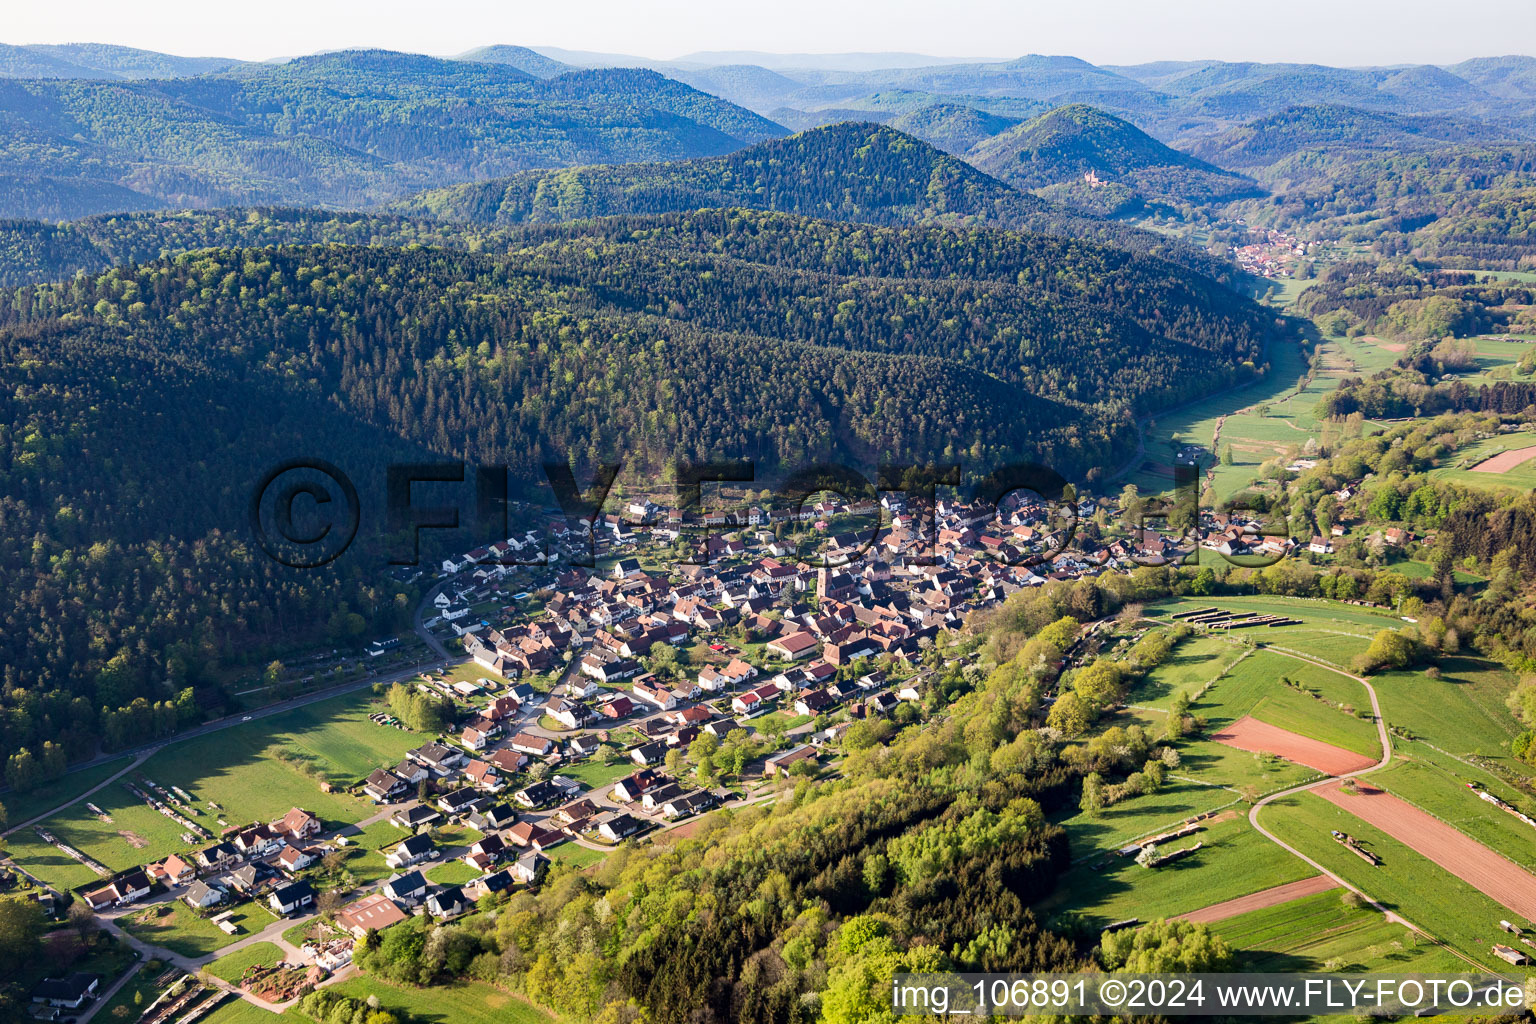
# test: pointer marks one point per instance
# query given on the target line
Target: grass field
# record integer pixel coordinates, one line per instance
(174, 927)
(1459, 469)
(1463, 711)
(1253, 688)
(20, 807)
(238, 1011)
(1315, 613)
(463, 1003)
(575, 855)
(1420, 890)
(1289, 419)
(595, 775)
(231, 967)
(254, 771)
(455, 872)
(1193, 662)
(1322, 933)
(1235, 861)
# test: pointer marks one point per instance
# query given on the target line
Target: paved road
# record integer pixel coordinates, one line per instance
(142, 753)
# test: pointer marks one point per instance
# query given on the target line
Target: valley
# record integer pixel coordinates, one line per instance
(766, 574)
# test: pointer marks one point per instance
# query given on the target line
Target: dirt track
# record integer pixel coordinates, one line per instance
(1505, 461)
(1503, 881)
(1259, 900)
(1251, 734)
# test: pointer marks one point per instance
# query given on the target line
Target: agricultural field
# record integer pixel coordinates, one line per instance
(1472, 466)
(1253, 688)
(1324, 932)
(1437, 783)
(253, 771)
(1287, 419)
(1421, 891)
(1463, 711)
(1235, 861)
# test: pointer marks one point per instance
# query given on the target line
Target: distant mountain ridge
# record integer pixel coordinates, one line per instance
(101, 60)
(352, 128)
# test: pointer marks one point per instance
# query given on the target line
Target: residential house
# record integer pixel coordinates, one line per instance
(294, 859)
(530, 867)
(532, 744)
(371, 913)
(780, 764)
(384, 786)
(447, 902)
(540, 794)
(298, 825)
(690, 803)
(492, 819)
(620, 826)
(173, 871)
(201, 894)
(412, 850)
(793, 647)
(293, 897)
(414, 816)
(408, 888)
(69, 993)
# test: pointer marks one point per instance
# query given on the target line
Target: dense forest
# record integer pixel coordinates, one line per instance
(336, 130)
(1052, 153)
(850, 171)
(142, 402)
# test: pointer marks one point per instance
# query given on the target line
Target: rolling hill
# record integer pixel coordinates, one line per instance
(101, 60)
(342, 129)
(1260, 145)
(953, 128)
(1052, 153)
(143, 401)
(530, 61)
(845, 171)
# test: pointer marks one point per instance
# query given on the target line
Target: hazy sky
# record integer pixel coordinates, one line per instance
(1103, 31)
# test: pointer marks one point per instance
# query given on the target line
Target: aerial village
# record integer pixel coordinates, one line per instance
(807, 619)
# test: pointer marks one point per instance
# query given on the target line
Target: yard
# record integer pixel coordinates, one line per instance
(173, 926)
(231, 967)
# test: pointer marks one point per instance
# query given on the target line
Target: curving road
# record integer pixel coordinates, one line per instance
(1386, 759)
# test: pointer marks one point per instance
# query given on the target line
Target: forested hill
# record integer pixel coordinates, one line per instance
(1263, 146)
(1054, 151)
(344, 129)
(849, 171)
(716, 334)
